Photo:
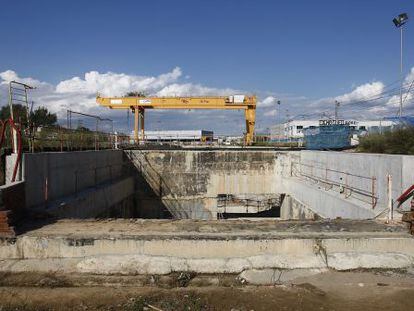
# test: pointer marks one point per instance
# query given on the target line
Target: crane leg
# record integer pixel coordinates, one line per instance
(142, 124)
(250, 114)
(136, 138)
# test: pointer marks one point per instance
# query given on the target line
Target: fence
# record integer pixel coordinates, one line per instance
(62, 139)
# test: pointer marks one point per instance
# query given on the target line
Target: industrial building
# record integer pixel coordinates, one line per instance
(294, 129)
(200, 136)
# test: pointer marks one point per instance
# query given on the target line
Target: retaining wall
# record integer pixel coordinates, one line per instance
(364, 190)
(53, 175)
(189, 181)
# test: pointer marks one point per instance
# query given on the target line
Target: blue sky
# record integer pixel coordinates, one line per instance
(297, 51)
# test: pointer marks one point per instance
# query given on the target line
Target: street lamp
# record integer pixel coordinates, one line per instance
(337, 104)
(277, 112)
(399, 22)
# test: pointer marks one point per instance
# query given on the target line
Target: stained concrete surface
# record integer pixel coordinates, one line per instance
(189, 181)
(122, 228)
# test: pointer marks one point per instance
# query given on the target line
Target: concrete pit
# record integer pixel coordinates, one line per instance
(324, 210)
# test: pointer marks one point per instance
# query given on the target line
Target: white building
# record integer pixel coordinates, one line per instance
(176, 136)
(293, 129)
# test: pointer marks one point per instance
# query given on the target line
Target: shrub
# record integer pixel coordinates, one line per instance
(398, 141)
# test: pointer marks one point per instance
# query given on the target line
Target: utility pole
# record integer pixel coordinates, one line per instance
(288, 125)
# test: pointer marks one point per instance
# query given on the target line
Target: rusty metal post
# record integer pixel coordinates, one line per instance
(390, 205)
(373, 201)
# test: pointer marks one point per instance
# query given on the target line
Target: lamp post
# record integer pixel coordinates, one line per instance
(399, 22)
(279, 124)
(277, 112)
(336, 110)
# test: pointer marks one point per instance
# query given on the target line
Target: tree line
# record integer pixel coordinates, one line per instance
(40, 117)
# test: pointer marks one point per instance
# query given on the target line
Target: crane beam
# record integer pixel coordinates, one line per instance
(139, 104)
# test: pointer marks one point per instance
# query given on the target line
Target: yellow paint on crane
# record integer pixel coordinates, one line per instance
(139, 104)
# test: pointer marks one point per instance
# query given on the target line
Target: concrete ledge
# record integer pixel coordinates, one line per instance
(117, 256)
(147, 264)
(377, 260)
(162, 247)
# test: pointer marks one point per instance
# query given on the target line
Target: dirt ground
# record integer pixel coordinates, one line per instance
(374, 290)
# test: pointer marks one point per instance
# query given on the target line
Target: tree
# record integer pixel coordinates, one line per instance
(42, 117)
(19, 113)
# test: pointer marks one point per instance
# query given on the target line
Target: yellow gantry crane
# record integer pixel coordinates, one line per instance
(138, 105)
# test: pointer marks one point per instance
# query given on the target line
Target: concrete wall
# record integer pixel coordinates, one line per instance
(292, 208)
(364, 174)
(188, 181)
(53, 175)
(112, 199)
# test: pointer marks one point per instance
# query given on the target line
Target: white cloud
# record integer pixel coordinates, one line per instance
(78, 93)
(189, 89)
(269, 101)
(362, 92)
(9, 75)
(394, 101)
(115, 84)
(365, 101)
(270, 113)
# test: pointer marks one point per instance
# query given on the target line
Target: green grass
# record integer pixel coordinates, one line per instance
(398, 141)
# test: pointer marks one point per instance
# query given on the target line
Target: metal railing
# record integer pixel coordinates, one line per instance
(348, 184)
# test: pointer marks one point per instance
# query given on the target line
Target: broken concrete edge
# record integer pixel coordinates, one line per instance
(80, 239)
(264, 268)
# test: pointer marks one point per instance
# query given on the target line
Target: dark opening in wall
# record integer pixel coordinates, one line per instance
(248, 205)
(271, 213)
